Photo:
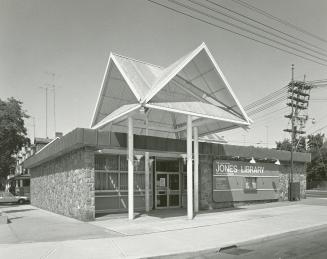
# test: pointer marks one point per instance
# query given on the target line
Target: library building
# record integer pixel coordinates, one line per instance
(153, 144)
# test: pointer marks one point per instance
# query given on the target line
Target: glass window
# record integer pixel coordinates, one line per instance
(26, 182)
(167, 165)
(100, 162)
(123, 181)
(115, 177)
(123, 163)
(184, 182)
(106, 162)
(138, 165)
(174, 181)
(250, 184)
(106, 181)
(139, 182)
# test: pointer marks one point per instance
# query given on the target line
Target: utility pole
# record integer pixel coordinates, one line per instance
(33, 129)
(298, 100)
(53, 86)
(46, 109)
(54, 108)
(267, 136)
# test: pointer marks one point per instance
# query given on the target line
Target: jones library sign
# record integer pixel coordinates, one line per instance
(222, 167)
(243, 181)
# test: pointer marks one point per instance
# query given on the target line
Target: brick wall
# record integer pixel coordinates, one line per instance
(65, 185)
(205, 183)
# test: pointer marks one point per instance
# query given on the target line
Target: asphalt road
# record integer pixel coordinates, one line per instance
(317, 193)
(306, 244)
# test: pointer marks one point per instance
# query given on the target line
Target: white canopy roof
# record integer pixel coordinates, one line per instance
(160, 98)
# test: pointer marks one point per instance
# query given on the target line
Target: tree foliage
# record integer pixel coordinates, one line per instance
(12, 133)
(284, 145)
(317, 146)
(317, 170)
(315, 142)
(299, 145)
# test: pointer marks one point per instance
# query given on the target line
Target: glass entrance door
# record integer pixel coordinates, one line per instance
(167, 190)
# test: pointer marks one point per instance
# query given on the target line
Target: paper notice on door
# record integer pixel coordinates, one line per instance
(162, 182)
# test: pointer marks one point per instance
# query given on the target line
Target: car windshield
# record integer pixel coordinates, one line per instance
(8, 194)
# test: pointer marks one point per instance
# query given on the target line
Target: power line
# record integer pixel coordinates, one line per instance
(275, 94)
(236, 33)
(319, 120)
(267, 97)
(264, 101)
(271, 120)
(286, 23)
(268, 104)
(318, 129)
(245, 29)
(262, 24)
(265, 115)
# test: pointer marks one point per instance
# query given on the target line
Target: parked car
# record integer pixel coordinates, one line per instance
(8, 197)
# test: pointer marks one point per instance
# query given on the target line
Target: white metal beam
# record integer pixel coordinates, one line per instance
(147, 172)
(195, 114)
(189, 169)
(130, 169)
(196, 169)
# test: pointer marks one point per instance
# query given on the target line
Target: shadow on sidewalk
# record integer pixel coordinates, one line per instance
(162, 213)
(9, 220)
(14, 211)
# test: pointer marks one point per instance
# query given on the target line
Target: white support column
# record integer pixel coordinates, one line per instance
(189, 169)
(130, 144)
(147, 182)
(196, 169)
(147, 171)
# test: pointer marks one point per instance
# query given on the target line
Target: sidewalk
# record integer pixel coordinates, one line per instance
(29, 224)
(151, 235)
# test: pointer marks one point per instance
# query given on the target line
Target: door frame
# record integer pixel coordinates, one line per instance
(168, 190)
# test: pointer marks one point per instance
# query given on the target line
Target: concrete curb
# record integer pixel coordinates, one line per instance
(244, 242)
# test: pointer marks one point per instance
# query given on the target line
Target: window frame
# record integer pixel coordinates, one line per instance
(138, 170)
(253, 184)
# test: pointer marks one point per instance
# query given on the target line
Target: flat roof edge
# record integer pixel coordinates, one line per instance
(97, 139)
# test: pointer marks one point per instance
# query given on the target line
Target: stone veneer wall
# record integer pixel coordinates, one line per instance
(205, 183)
(65, 185)
(299, 175)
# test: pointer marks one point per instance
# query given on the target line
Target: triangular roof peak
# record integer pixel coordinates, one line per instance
(136, 60)
(172, 71)
(193, 79)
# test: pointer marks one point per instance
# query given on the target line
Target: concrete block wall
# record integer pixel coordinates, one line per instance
(65, 185)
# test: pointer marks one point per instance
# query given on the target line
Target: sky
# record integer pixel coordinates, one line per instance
(66, 43)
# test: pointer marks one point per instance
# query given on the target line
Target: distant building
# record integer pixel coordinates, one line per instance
(18, 181)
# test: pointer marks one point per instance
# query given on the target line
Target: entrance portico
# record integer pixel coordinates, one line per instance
(187, 100)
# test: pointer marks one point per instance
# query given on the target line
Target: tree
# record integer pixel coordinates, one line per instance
(317, 169)
(12, 134)
(284, 145)
(315, 142)
(299, 145)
